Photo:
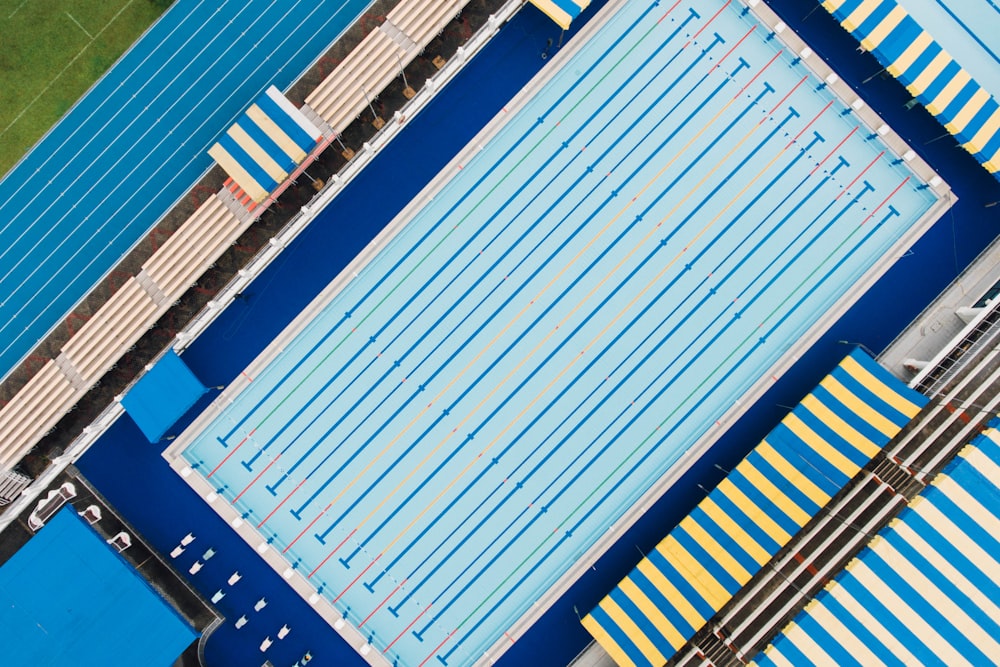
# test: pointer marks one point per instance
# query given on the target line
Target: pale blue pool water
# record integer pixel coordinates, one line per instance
(557, 327)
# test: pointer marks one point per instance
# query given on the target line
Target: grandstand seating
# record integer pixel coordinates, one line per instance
(369, 68)
(115, 327)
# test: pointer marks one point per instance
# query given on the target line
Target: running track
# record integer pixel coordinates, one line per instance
(535, 349)
(101, 178)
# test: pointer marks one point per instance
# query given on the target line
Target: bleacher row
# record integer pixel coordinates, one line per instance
(377, 60)
(116, 327)
(202, 239)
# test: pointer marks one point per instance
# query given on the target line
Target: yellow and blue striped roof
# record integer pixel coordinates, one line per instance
(561, 11)
(926, 590)
(753, 512)
(265, 144)
(934, 78)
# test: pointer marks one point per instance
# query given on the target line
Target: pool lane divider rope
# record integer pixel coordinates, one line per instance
(485, 197)
(498, 235)
(566, 369)
(803, 151)
(267, 416)
(784, 149)
(511, 323)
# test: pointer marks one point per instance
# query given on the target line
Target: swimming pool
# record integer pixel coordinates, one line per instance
(547, 336)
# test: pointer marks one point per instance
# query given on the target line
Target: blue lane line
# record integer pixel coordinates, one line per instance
(651, 401)
(541, 317)
(568, 533)
(528, 428)
(488, 223)
(580, 327)
(487, 177)
(556, 301)
(538, 269)
(547, 505)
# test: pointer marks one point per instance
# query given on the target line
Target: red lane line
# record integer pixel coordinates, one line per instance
(665, 15)
(835, 149)
(306, 529)
(407, 628)
(783, 99)
(884, 201)
(762, 69)
(330, 555)
(254, 480)
(382, 603)
(714, 16)
(809, 124)
(226, 458)
(438, 647)
(355, 580)
(268, 517)
(856, 178)
(735, 46)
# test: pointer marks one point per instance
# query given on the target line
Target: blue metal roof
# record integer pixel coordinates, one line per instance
(66, 598)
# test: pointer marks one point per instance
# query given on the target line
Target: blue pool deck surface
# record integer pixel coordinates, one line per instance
(644, 239)
(967, 30)
(130, 148)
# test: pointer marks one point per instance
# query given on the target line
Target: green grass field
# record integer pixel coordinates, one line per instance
(51, 52)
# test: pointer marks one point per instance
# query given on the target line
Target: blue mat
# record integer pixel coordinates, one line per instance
(66, 598)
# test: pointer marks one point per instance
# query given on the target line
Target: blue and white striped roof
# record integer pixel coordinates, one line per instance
(926, 590)
(930, 74)
(265, 144)
(753, 513)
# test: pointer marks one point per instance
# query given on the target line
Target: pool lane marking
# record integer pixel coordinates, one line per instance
(505, 531)
(454, 227)
(557, 378)
(382, 603)
(668, 266)
(803, 151)
(502, 383)
(642, 443)
(398, 410)
(732, 272)
(558, 276)
(486, 178)
(461, 200)
(442, 342)
(507, 225)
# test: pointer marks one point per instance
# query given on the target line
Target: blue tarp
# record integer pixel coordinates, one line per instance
(66, 598)
(162, 396)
